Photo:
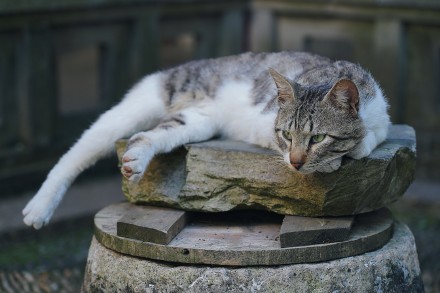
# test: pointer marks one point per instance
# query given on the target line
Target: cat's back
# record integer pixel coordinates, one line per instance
(200, 79)
(249, 64)
(330, 73)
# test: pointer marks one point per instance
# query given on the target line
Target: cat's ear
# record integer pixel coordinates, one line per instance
(285, 90)
(345, 95)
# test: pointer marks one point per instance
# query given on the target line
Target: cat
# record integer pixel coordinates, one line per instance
(312, 110)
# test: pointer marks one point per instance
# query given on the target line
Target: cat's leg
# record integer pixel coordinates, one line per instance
(375, 135)
(365, 147)
(372, 139)
(189, 125)
(142, 108)
(376, 121)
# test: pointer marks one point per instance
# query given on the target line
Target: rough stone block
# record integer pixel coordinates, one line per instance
(219, 176)
(394, 269)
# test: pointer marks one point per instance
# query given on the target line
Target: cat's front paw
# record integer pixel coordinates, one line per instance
(360, 152)
(365, 147)
(38, 212)
(135, 162)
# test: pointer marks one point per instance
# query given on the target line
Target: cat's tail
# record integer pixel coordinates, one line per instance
(141, 109)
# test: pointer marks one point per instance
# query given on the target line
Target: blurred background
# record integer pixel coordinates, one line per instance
(62, 63)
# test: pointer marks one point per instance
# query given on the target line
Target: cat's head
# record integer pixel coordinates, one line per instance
(316, 124)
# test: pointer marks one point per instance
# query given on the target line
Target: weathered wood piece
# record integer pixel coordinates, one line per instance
(241, 238)
(225, 175)
(299, 231)
(151, 224)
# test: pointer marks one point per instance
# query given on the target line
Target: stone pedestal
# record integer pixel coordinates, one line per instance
(392, 268)
(207, 253)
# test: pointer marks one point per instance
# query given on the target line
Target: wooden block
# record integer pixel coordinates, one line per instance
(301, 231)
(151, 224)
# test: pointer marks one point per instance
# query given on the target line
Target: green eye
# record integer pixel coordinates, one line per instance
(318, 138)
(286, 134)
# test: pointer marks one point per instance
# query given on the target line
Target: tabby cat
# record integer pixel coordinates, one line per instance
(310, 109)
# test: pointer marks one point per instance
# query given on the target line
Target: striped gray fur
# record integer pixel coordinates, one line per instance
(197, 80)
(311, 77)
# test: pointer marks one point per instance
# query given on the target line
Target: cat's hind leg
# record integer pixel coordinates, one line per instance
(142, 108)
(189, 125)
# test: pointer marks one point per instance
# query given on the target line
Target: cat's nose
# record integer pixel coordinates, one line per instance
(297, 166)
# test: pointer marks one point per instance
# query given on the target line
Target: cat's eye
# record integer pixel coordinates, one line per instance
(318, 138)
(286, 134)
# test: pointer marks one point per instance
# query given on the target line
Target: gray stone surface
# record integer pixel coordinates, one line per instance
(393, 268)
(224, 175)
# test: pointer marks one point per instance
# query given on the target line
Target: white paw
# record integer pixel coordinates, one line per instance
(40, 208)
(38, 212)
(360, 152)
(135, 162)
(365, 147)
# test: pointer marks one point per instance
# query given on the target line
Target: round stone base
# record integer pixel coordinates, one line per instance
(393, 268)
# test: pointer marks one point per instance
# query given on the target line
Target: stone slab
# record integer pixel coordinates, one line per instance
(241, 238)
(152, 224)
(393, 269)
(300, 231)
(219, 176)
